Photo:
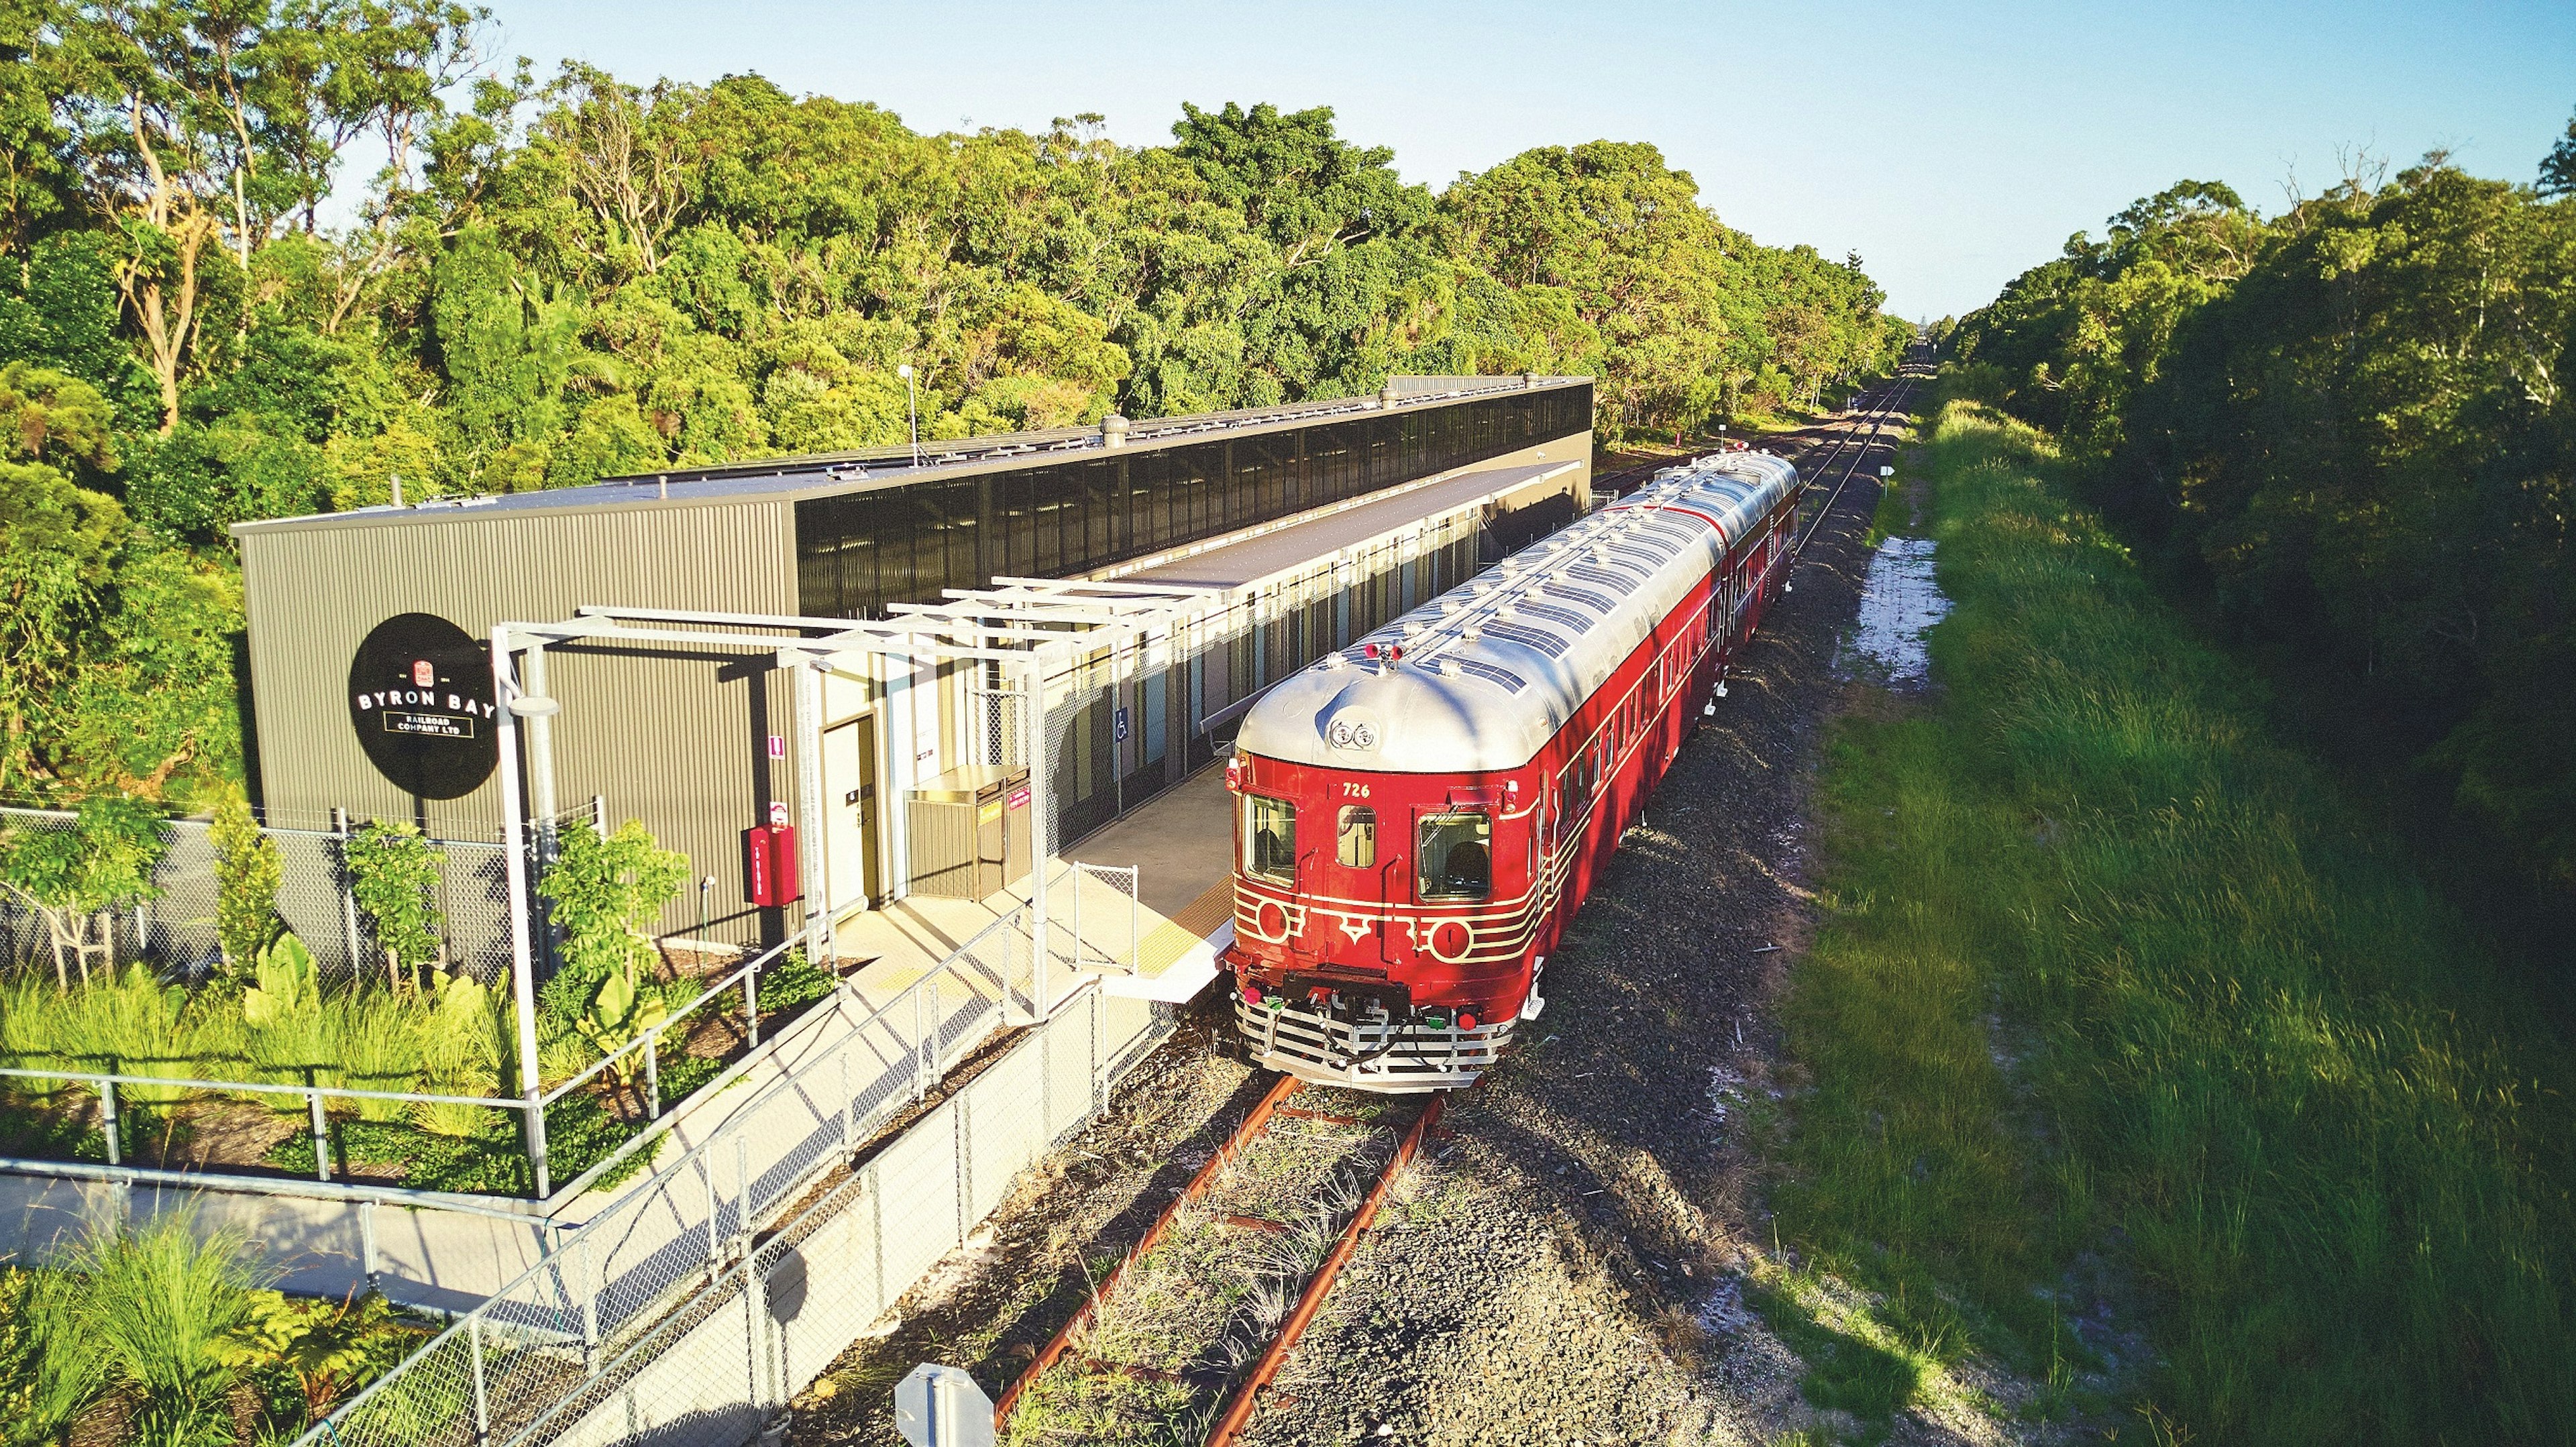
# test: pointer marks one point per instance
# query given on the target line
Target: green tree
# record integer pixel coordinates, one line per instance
(394, 873)
(2558, 168)
(603, 895)
(74, 875)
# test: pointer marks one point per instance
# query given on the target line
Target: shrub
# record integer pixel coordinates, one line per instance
(463, 1045)
(288, 983)
(605, 895)
(247, 874)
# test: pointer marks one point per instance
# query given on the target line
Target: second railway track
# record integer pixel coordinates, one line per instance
(1179, 1341)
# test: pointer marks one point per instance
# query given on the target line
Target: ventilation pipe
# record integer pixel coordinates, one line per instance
(1113, 431)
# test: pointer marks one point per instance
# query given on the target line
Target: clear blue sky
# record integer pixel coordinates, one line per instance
(1951, 145)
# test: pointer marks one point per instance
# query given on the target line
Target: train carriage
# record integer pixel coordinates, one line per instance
(1418, 816)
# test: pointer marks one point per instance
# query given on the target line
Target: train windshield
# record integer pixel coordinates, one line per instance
(1270, 839)
(1455, 856)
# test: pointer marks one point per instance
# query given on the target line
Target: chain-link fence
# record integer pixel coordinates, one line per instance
(175, 925)
(704, 1297)
(1104, 918)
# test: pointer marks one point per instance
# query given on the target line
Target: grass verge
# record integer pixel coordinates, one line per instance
(2111, 987)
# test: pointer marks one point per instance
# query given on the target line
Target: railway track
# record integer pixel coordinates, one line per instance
(1890, 402)
(1181, 1340)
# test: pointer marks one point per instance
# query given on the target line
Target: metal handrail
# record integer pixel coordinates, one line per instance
(909, 993)
(652, 1035)
(102, 1077)
(705, 1151)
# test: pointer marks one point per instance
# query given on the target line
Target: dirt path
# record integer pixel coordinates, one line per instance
(1561, 1269)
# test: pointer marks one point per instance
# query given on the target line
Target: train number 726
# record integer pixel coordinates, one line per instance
(1355, 791)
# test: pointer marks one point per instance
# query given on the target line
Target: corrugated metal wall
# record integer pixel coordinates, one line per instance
(678, 741)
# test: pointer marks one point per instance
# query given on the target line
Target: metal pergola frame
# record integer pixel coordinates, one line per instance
(1020, 624)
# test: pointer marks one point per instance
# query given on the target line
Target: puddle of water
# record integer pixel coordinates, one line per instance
(1898, 602)
(1724, 1313)
(1725, 1087)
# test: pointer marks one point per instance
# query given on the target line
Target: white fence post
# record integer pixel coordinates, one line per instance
(920, 1041)
(715, 1233)
(875, 1187)
(321, 1128)
(849, 1108)
(964, 1171)
(348, 891)
(108, 1122)
(589, 1279)
(482, 1396)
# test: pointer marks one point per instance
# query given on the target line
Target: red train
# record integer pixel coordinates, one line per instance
(1418, 816)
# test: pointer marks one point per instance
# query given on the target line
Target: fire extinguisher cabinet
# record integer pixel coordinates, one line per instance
(769, 865)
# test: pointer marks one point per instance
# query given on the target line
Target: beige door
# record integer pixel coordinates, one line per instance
(850, 810)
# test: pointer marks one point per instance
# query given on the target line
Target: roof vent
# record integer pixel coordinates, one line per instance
(1113, 431)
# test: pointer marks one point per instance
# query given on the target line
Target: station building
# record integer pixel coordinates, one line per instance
(1263, 539)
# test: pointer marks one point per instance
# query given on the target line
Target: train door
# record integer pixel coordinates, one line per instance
(1362, 870)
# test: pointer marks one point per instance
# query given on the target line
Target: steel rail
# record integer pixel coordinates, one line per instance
(1902, 388)
(1242, 1136)
(1843, 440)
(1247, 1393)
(1238, 1405)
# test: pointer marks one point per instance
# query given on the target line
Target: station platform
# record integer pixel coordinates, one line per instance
(1182, 916)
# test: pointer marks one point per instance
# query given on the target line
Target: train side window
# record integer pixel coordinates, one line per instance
(1270, 839)
(1454, 856)
(1355, 837)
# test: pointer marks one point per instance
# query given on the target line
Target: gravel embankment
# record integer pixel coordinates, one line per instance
(1558, 1270)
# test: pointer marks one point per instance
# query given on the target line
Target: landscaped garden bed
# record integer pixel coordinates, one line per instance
(412, 1073)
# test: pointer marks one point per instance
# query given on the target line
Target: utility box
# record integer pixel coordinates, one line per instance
(769, 865)
(970, 831)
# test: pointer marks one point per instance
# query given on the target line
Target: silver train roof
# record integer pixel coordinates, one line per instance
(1486, 673)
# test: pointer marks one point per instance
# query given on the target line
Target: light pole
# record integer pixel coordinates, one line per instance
(911, 409)
(516, 705)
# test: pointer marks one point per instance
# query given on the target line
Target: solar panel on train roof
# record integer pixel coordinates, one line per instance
(1572, 594)
(1537, 639)
(1477, 668)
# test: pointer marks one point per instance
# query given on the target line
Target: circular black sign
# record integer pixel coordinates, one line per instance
(420, 697)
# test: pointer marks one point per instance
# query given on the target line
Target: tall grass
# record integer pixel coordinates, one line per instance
(353, 1037)
(127, 1023)
(2106, 967)
(147, 1313)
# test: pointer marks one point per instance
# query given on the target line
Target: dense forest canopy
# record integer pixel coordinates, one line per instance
(567, 277)
(2348, 431)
